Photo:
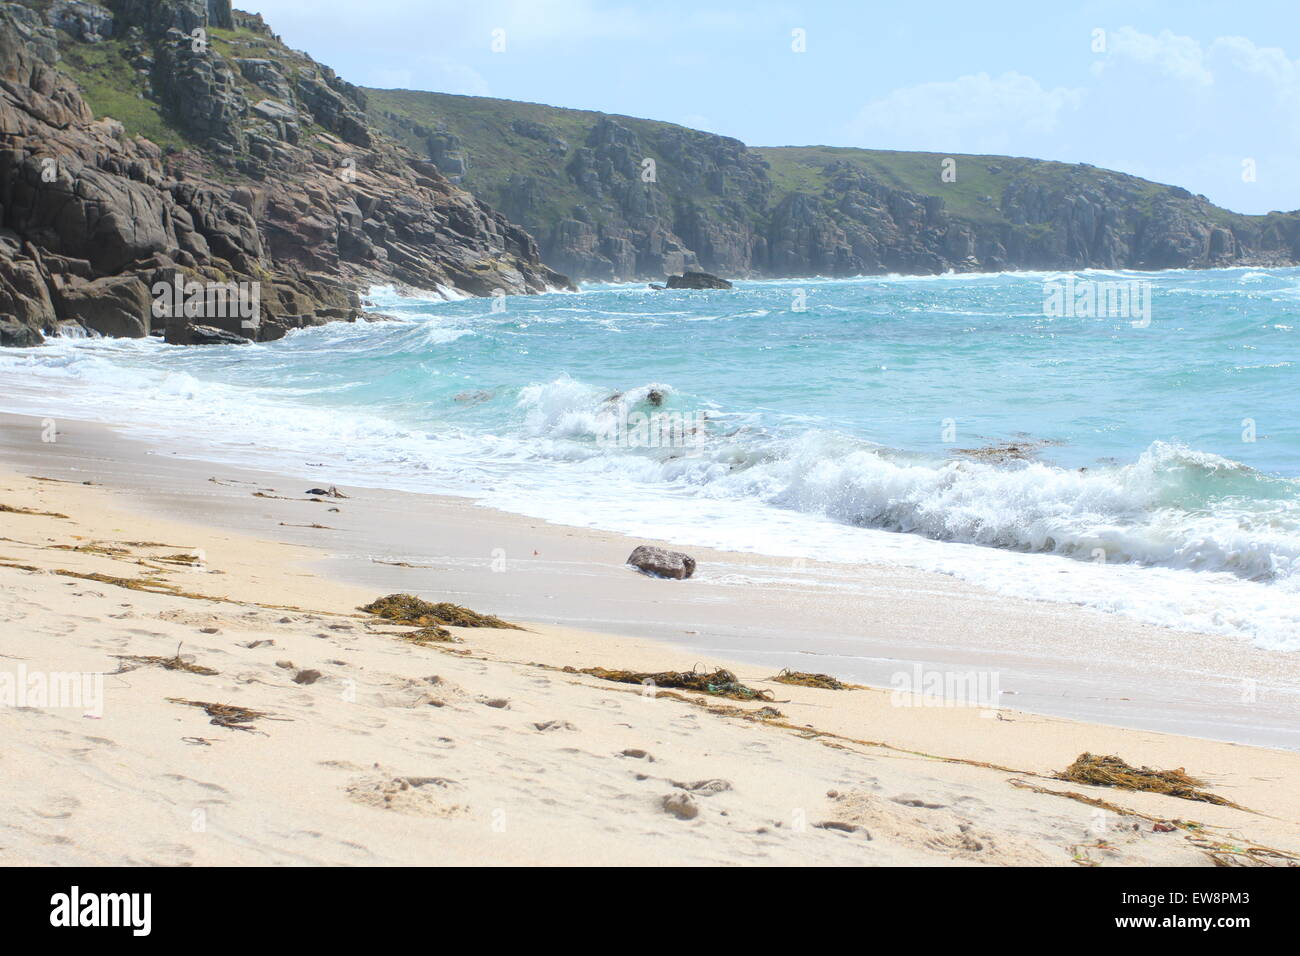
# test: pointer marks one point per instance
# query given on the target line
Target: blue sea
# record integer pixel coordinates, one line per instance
(1146, 464)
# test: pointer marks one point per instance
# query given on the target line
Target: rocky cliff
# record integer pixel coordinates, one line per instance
(613, 197)
(180, 142)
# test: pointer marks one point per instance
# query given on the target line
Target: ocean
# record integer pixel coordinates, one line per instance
(1137, 451)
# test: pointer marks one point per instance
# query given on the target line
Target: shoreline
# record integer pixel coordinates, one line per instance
(863, 623)
(372, 750)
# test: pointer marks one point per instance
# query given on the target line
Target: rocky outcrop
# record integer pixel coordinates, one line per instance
(697, 280)
(187, 333)
(616, 198)
(88, 22)
(280, 196)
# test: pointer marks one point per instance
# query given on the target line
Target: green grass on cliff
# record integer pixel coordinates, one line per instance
(113, 87)
(974, 194)
(496, 153)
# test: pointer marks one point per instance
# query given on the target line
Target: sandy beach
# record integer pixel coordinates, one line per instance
(187, 583)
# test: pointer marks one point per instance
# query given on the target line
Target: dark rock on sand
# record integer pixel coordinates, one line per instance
(681, 805)
(697, 280)
(662, 563)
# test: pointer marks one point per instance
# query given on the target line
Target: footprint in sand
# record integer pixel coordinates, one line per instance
(549, 725)
(168, 854)
(928, 821)
(57, 808)
(340, 765)
(365, 721)
(415, 795)
(203, 784)
(921, 803)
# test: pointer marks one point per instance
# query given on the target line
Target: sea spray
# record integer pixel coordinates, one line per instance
(939, 422)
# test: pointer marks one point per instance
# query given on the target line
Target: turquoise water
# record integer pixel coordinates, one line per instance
(1155, 469)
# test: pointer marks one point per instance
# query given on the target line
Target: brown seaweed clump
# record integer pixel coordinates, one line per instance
(230, 716)
(174, 663)
(431, 634)
(802, 679)
(1111, 771)
(720, 683)
(409, 609)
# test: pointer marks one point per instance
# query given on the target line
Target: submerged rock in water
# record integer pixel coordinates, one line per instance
(188, 334)
(697, 280)
(662, 563)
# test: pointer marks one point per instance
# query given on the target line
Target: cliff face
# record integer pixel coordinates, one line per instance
(620, 198)
(147, 141)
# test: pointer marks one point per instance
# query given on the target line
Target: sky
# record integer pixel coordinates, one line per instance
(1204, 95)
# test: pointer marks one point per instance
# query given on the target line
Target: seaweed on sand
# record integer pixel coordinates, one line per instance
(409, 609)
(1111, 771)
(185, 559)
(719, 683)
(150, 584)
(10, 509)
(431, 634)
(802, 679)
(174, 663)
(106, 550)
(230, 716)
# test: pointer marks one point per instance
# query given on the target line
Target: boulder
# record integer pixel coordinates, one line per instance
(118, 306)
(181, 332)
(697, 280)
(680, 805)
(15, 335)
(24, 296)
(661, 563)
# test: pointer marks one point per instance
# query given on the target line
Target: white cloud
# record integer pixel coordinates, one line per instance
(1180, 57)
(1206, 107)
(975, 113)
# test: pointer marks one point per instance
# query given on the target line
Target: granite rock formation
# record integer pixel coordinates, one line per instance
(272, 188)
(619, 198)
